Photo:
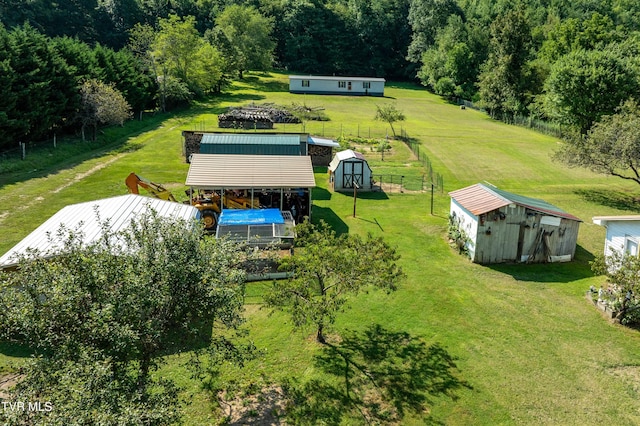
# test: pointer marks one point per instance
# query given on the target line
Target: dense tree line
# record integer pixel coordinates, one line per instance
(569, 61)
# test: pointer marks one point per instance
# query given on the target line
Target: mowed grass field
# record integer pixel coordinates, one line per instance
(529, 346)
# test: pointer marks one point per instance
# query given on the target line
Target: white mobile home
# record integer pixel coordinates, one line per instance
(321, 85)
(348, 168)
(623, 234)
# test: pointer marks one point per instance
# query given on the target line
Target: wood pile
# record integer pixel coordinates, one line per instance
(255, 117)
(191, 143)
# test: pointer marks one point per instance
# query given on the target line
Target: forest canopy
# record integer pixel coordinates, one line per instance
(511, 57)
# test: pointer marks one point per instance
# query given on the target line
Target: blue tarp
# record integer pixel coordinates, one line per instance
(250, 217)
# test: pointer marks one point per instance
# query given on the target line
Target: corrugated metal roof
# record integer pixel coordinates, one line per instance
(211, 171)
(334, 78)
(258, 144)
(479, 199)
(246, 139)
(85, 218)
(314, 140)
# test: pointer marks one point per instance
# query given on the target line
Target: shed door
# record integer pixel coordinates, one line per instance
(352, 172)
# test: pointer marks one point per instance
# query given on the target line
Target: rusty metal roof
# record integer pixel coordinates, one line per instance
(213, 171)
(480, 198)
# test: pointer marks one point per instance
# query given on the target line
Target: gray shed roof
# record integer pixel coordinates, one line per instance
(212, 171)
(314, 140)
(83, 218)
(347, 154)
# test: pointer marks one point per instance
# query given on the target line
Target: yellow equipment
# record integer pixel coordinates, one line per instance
(133, 181)
(208, 202)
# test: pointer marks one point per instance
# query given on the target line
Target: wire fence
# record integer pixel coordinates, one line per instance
(418, 150)
(23, 149)
(528, 121)
(391, 183)
(318, 128)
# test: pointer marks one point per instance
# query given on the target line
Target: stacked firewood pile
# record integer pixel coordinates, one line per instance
(255, 117)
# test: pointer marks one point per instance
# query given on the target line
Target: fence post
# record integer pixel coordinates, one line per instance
(24, 149)
(54, 141)
(431, 198)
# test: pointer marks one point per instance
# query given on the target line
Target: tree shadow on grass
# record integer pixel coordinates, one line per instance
(377, 375)
(265, 85)
(329, 216)
(550, 272)
(321, 194)
(14, 349)
(608, 198)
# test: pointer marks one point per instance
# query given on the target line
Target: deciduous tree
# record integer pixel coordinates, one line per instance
(585, 85)
(101, 104)
(389, 113)
(98, 316)
(248, 34)
(623, 274)
(612, 145)
(327, 270)
(503, 82)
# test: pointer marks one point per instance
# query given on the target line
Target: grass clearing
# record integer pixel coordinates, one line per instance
(531, 347)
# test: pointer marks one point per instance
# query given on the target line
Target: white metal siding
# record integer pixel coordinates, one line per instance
(617, 232)
(331, 85)
(468, 223)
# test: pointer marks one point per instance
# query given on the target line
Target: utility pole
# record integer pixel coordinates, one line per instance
(355, 197)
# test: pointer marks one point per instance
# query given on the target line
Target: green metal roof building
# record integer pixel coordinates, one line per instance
(248, 144)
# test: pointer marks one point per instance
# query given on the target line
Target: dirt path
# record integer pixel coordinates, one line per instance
(7, 382)
(77, 178)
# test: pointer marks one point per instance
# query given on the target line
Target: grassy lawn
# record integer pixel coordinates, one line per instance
(530, 347)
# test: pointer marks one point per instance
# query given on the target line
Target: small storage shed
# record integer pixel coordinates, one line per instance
(83, 218)
(623, 234)
(348, 168)
(331, 85)
(321, 150)
(505, 227)
(257, 227)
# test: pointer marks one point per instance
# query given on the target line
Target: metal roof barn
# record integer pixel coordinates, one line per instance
(247, 144)
(213, 171)
(506, 227)
(86, 218)
(480, 198)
